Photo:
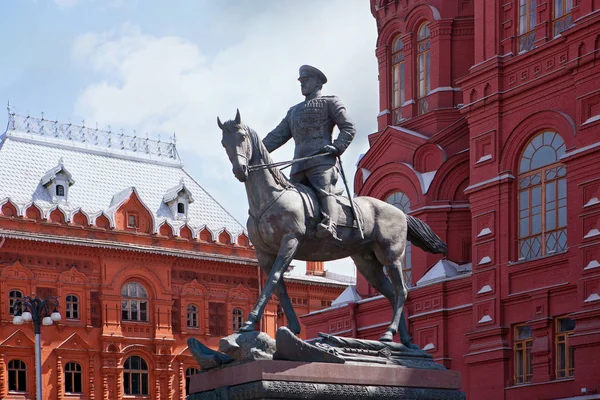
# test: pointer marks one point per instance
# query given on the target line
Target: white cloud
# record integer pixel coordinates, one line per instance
(169, 84)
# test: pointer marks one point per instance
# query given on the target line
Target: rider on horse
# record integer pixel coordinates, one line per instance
(311, 124)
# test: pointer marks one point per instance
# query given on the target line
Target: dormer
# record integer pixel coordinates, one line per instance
(57, 181)
(178, 200)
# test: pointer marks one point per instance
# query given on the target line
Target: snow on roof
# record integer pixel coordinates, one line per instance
(314, 279)
(53, 172)
(349, 295)
(443, 270)
(173, 193)
(104, 176)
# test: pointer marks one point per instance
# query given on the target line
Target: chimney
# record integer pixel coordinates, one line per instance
(316, 268)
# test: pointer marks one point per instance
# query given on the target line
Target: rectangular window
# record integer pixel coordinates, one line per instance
(522, 354)
(563, 18)
(565, 355)
(527, 22)
(132, 221)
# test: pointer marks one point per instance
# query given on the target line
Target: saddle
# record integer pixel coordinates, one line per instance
(312, 210)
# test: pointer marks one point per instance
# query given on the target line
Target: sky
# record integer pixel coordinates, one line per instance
(164, 67)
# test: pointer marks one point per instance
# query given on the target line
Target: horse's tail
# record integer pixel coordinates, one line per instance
(421, 235)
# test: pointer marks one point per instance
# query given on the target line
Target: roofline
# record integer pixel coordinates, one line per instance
(96, 243)
(308, 281)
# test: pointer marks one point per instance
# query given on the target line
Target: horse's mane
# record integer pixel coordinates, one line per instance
(261, 151)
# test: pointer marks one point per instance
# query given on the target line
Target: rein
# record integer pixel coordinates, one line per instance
(284, 164)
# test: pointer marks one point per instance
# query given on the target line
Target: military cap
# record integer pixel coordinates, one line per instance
(308, 70)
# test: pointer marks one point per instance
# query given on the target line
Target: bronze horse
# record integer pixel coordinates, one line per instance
(280, 229)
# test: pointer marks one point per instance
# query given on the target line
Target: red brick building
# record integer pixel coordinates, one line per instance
(140, 256)
(489, 131)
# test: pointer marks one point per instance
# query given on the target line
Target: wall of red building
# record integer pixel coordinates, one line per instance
(99, 340)
(473, 140)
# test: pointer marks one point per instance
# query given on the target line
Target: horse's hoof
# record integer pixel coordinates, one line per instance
(247, 327)
(387, 337)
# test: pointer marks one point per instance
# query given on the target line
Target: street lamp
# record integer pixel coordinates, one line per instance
(40, 312)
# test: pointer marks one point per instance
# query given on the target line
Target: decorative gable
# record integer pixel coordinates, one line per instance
(18, 340)
(74, 343)
(178, 199)
(57, 182)
(130, 213)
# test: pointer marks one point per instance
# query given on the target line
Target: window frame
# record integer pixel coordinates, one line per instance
(522, 347)
(128, 302)
(562, 338)
(21, 368)
(72, 375)
(59, 190)
(423, 60)
(136, 220)
(189, 372)
(544, 184)
(398, 71)
(565, 18)
(72, 308)
(193, 315)
(128, 377)
(237, 319)
(13, 299)
(526, 34)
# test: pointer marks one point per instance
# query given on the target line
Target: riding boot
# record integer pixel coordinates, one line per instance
(327, 227)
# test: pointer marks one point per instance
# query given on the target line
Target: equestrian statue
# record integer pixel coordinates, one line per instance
(303, 218)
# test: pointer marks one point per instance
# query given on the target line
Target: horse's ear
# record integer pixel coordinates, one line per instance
(238, 119)
(219, 123)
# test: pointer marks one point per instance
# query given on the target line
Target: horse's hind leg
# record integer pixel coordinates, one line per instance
(266, 262)
(394, 255)
(370, 267)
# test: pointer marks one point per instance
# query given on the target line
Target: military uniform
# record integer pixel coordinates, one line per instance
(310, 123)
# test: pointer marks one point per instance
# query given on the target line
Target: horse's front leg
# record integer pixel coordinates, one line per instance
(287, 250)
(266, 262)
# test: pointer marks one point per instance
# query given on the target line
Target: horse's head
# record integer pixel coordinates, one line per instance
(236, 141)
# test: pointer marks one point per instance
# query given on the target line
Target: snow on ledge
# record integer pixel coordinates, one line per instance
(592, 233)
(592, 264)
(592, 297)
(485, 289)
(428, 346)
(592, 201)
(485, 318)
(485, 260)
(484, 231)
(485, 158)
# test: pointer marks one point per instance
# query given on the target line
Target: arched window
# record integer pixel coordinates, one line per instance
(73, 381)
(542, 197)
(13, 297)
(72, 307)
(17, 376)
(191, 371)
(238, 318)
(401, 201)
(527, 22)
(423, 60)
(60, 190)
(192, 316)
(134, 305)
(180, 208)
(135, 376)
(397, 78)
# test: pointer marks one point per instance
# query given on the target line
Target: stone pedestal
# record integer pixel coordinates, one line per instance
(300, 380)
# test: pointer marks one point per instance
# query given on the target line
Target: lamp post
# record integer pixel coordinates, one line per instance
(40, 312)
